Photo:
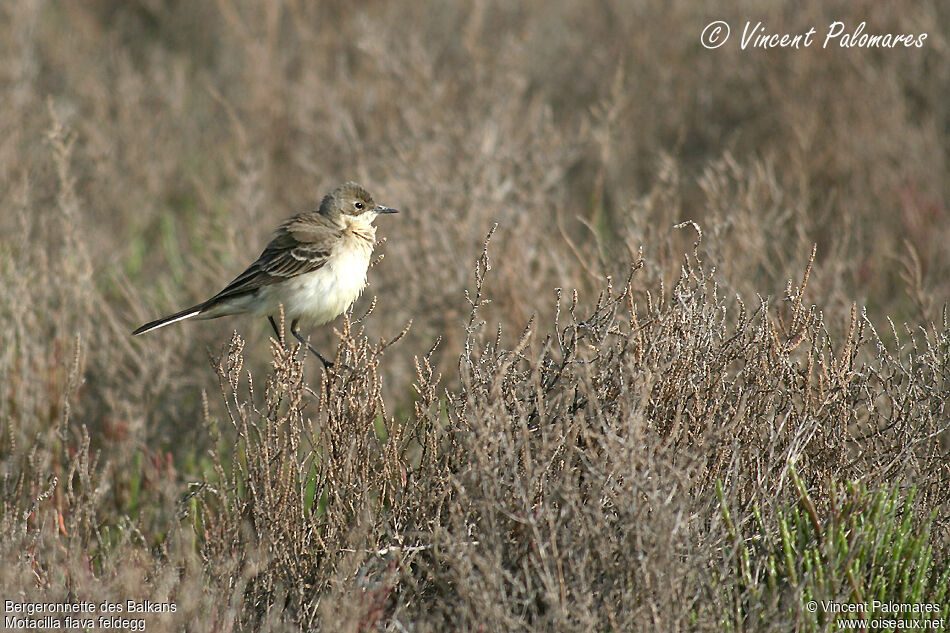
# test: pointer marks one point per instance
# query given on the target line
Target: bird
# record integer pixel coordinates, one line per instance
(314, 266)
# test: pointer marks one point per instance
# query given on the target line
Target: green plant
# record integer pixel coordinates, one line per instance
(861, 555)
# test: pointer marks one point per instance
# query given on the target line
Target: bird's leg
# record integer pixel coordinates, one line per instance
(273, 324)
(293, 330)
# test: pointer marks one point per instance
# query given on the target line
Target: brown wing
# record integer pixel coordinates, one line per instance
(301, 245)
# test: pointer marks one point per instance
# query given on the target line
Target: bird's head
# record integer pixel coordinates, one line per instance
(352, 200)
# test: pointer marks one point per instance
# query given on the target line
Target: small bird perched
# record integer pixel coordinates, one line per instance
(315, 266)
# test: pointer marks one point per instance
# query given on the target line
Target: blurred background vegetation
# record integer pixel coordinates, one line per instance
(147, 148)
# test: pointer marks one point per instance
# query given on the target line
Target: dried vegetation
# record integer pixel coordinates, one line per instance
(696, 375)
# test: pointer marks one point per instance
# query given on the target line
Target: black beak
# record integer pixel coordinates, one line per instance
(386, 210)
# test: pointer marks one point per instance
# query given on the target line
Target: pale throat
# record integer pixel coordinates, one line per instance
(359, 229)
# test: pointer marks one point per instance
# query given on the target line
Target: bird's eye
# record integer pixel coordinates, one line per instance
(359, 205)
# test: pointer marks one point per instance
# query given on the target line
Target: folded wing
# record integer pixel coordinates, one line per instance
(302, 245)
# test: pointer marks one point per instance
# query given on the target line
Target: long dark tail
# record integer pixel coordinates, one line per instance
(187, 313)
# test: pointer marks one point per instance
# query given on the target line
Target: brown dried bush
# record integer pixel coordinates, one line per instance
(611, 442)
